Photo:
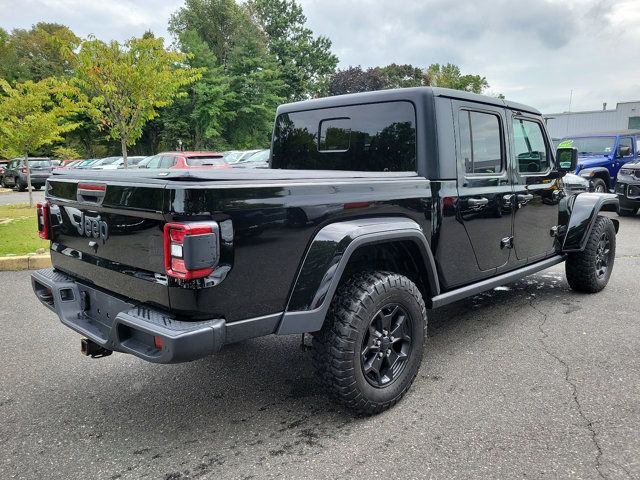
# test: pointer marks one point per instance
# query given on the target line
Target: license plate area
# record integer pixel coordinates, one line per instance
(99, 308)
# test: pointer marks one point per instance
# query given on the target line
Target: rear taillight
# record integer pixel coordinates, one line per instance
(24, 170)
(44, 227)
(191, 249)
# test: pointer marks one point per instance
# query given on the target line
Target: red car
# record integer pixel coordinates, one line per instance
(185, 160)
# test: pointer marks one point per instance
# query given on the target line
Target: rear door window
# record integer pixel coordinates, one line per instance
(374, 137)
(167, 161)
(154, 162)
(481, 143)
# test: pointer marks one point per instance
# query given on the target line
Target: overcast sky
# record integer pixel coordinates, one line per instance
(532, 51)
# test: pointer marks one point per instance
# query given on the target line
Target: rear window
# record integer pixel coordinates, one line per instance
(376, 137)
(39, 163)
(202, 160)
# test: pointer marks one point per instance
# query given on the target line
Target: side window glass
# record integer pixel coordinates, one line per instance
(481, 143)
(530, 148)
(154, 162)
(627, 142)
(167, 161)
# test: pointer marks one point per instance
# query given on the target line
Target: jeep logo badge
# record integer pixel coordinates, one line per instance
(93, 227)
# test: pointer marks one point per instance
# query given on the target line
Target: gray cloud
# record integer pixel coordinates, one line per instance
(533, 51)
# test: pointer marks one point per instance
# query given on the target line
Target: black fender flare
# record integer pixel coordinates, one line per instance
(596, 171)
(583, 210)
(328, 255)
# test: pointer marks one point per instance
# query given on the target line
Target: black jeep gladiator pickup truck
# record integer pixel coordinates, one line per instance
(376, 208)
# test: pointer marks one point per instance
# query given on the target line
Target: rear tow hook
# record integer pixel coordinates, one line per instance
(91, 349)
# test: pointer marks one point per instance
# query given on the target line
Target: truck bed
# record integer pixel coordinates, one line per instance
(273, 215)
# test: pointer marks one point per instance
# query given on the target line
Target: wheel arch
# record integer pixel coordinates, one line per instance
(582, 213)
(335, 252)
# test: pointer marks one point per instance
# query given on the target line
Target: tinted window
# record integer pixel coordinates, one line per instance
(335, 135)
(480, 142)
(530, 147)
(377, 137)
(205, 160)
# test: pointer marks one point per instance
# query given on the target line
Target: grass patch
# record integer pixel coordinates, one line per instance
(19, 231)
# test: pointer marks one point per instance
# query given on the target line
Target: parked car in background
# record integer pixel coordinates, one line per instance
(628, 189)
(600, 155)
(3, 166)
(86, 163)
(71, 163)
(238, 156)
(185, 160)
(15, 174)
(259, 159)
(113, 163)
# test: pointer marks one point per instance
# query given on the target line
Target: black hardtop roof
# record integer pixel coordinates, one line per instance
(415, 95)
(610, 133)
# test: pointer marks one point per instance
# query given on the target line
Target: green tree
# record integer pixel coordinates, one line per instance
(305, 62)
(35, 114)
(355, 80)
(233, 105)
(449, 76)
(128, 83)
(403, 76)
(46, 50)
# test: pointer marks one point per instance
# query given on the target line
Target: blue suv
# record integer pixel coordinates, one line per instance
(601, 155)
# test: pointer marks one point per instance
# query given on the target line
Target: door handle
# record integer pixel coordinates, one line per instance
(525, 198)
(477, 203)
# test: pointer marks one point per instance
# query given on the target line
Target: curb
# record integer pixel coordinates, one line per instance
(25, 262)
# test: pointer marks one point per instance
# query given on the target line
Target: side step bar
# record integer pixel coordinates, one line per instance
(475, 288)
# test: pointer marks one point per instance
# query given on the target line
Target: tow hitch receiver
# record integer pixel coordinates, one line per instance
(92, 349)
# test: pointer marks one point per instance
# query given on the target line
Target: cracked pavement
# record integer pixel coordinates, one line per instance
(528, 380)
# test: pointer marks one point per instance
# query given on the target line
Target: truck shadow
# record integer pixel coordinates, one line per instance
(261, 394)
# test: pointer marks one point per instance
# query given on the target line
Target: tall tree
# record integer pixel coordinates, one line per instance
(355, 80)
(128, 83)
(403, 76)
(233, 105)
(449, 76)
(46, 50)
(305, 61)
(35, 114)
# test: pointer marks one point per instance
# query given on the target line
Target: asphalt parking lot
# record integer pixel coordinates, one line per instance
(529, 380)
(10, 197)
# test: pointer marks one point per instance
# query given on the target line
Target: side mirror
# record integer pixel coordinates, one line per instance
(567, 159)
(624, 151)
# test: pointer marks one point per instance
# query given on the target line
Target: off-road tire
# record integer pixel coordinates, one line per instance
(628, 212)
(599, 185)
(337, 348)
(582, 267)
(20, 187)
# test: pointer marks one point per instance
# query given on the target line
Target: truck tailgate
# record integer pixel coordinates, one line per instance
(110, 235)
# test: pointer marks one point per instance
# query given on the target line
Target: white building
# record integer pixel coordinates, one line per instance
(625, 116)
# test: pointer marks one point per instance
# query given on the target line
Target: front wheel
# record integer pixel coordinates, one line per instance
(370, 348)
(599, 186)
(589, 271)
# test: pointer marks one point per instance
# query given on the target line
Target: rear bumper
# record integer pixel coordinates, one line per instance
(118, 325)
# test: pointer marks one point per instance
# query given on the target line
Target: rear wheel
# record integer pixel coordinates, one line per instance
(37, 187)
(370, 347)
(599, 186)
(624, 212)
(589, 271)
(20, 187)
